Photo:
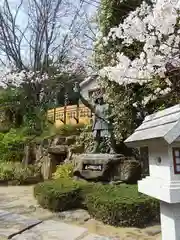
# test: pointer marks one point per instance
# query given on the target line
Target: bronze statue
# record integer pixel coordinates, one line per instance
(102, 127)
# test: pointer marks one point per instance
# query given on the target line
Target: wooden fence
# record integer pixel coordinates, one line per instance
(72, 114)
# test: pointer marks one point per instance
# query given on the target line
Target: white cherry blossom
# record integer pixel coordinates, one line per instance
(156, 26)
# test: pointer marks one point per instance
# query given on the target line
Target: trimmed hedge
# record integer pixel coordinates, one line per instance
(122, 206)
(58, 195)
(119, 205)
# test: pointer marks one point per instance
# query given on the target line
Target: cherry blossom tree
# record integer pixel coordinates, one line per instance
(142, 73)
(157, 27)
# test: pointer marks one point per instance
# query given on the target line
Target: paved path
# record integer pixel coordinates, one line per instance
(19, 227)
(18, 200)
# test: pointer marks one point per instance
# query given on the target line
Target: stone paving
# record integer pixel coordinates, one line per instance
(21, 218)
(18, 227)
(11, 224)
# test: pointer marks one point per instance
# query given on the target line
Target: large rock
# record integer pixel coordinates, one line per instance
(58, 140)
(107, 167)
(129, 170)
(29, 154)
(96, 166)
(70, 140)
(58, 150)
(55, 156)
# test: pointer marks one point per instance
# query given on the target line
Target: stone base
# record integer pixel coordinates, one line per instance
(170, 221)
(104, 167)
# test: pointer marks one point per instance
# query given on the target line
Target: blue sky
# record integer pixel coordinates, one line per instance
(22, 21)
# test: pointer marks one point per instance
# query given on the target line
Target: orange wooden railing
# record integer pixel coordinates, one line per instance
(72, 114)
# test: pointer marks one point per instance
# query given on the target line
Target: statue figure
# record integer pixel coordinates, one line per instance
(102, 128)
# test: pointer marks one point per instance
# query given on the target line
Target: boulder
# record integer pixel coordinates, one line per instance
(107, 167)
(96, 166)
(58, 140)
(70, 140)
(130, 170)
(55, 155)
(29, 154)
(58, 149)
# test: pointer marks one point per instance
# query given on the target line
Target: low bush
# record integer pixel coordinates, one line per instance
(10, 171)
(12, 156)
(58, 195)
(122, 206)
(64, 171)
(115, 205)
(11, 146)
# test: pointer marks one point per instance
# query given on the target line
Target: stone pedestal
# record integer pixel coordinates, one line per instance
(170, 221)
(106, 167)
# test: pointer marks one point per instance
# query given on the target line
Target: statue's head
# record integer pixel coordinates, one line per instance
(98, 97)
(100, 100)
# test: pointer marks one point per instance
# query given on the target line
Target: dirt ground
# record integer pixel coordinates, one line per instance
(19, 199)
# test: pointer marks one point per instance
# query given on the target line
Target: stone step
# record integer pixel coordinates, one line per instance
(53, 230)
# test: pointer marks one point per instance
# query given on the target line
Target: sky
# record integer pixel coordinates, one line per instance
(88, 8)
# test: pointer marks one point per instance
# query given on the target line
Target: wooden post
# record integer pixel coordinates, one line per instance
(54, 115)
(77, 112)
(76, 87)
(65, 106)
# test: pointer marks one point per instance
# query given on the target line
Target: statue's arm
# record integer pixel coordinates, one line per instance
(87, 103)
(83, 100)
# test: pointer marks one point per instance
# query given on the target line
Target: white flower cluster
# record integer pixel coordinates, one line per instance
(156, 26)
(16, 78)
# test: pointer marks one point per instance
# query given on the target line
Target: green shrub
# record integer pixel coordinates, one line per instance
(64, 171)
(5, 126)
(14, 156)
(6, 171)
(58, 195)
(122, 206)
(10, 171)
(85, 139)
(11, 146)
(115, 205)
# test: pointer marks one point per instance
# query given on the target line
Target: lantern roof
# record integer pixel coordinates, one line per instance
(164, 125)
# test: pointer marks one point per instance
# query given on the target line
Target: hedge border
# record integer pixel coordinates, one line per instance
(103, 202)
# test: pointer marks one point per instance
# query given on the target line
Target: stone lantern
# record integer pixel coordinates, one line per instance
(160, 132)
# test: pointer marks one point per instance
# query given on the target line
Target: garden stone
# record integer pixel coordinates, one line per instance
(58, 140)
(53, 230)
(70, 140)
(58, 149)
(11, 223)
(78, 215)
(29, 154)
(96, 166)
(107, 167)
(56, 155)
